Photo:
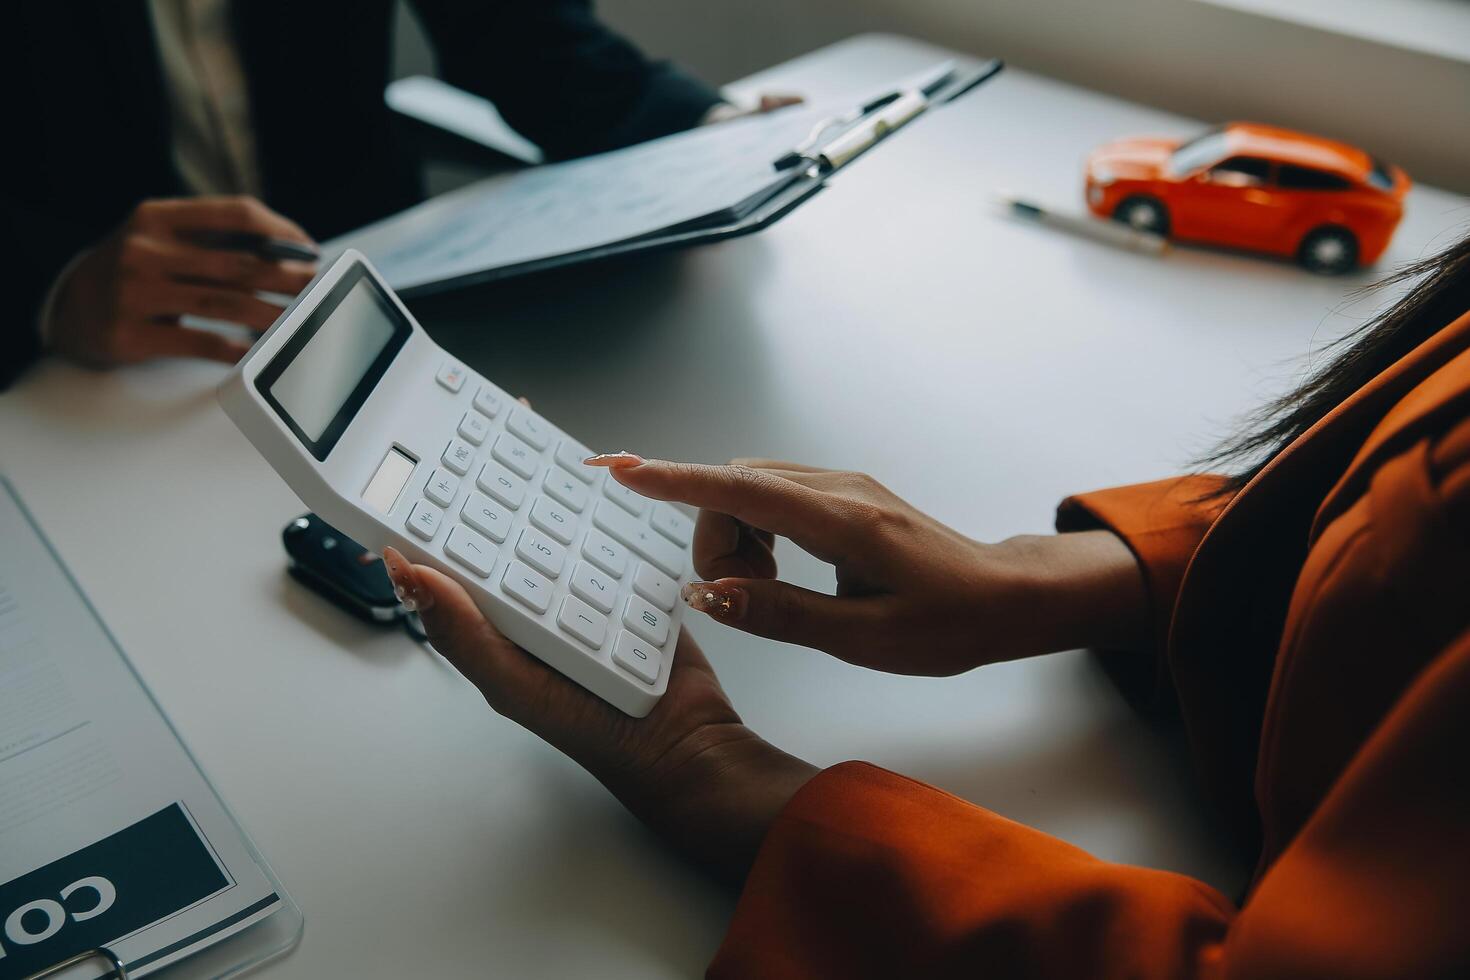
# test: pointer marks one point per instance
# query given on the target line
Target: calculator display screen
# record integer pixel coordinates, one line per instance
(325, 372)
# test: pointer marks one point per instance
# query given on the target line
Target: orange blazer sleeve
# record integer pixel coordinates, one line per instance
(1161, 523)
(870, 874)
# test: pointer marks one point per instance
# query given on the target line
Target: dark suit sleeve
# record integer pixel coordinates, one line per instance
(46, 246)
(559, 76)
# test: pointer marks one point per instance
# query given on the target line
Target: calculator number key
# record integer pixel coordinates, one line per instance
(605, 553)
(594, 585)
(485, 516)
(470, 550)
(423, 520)
(527, 586)
(582, 621)
(640, 537)
(458, 456)
(502, 484)
(521, 458)
(565, 489)
(529, 426)
(474, 427)
(646, 620)
(554, 520)
(540, 552)
(637, 657)
(442, 487)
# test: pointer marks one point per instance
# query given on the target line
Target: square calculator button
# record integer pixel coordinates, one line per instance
(594, 585)
(529, 426)
(565, 489)
(672, 524)
(582, 621)
(655, 586)
(423, 520)
(474, 427)
(639, 537)
(470, 550)
(486, 516)
(488, 401)
(540, 552)
(605, 553)
(633, 503)
(442, 487)
(502, 484)
(451, 375)
(516, 454)
(528, 586)
(648, 622)
(569, 456)
(458, 456)
(637, 657)
(553, 519)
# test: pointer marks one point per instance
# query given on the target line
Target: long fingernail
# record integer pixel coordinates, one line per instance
(620, 460)
(715, 598)
(405, 582)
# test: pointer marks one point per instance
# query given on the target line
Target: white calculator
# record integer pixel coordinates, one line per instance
(394, 442)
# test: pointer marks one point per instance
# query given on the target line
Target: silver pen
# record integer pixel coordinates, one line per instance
(1098, 229)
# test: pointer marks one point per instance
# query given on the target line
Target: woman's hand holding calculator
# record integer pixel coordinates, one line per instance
(913, 596)
(690, 770)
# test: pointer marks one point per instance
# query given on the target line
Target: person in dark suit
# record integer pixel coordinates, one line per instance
(140, 123)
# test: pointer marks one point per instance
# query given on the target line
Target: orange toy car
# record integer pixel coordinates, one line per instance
(1245, 185)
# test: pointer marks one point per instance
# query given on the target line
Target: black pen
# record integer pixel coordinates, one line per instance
(262, 245)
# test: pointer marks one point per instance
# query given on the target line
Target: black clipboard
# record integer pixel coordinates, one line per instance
(802, 185)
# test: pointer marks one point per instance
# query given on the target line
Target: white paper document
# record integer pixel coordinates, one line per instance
(109, 833)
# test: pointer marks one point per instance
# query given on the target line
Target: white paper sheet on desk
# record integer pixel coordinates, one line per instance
(563, 208)
(85, 757)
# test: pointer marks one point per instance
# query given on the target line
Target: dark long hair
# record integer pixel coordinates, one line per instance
(1439, 293)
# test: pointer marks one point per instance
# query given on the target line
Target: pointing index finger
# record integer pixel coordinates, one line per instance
(756, 497)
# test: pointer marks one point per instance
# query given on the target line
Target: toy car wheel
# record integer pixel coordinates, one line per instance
(1143, 213)
(1329, 250)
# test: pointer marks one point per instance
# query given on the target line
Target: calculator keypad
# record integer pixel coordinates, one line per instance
(527, 586)
(600, 562)
(502, 484)
(540, 552)
(458, 455)
(473, 551)
(442, 487)
(565, 489)
(486, 516)
(515, 454)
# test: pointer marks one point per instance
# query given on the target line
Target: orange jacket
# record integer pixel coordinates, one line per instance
(1316, 637)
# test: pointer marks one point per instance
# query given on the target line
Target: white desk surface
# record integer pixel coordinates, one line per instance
(894, 324)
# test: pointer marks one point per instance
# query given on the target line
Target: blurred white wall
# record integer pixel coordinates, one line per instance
(1214, 59)
(1195, 57)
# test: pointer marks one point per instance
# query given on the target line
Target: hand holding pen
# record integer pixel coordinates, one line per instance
(121, 300)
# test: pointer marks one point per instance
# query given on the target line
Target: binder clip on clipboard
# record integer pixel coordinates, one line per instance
(865, 125)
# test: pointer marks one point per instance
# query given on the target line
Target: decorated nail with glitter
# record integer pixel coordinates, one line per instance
(620, 460)
(716, 599)
(405, 582)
